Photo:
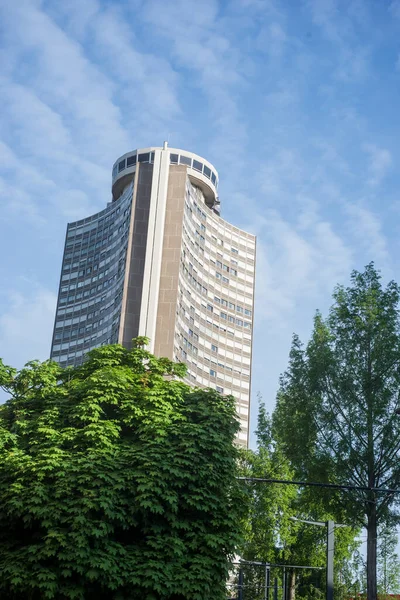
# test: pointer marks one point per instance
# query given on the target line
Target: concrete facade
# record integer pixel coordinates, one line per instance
(159, 261)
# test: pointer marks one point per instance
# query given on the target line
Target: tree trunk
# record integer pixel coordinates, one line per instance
(292, 585)
(371, 554)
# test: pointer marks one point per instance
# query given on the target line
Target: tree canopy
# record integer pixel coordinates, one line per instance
(337, 415)
(117, 480)
(271, 533)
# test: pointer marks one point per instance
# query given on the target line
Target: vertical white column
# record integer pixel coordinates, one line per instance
(154, 246)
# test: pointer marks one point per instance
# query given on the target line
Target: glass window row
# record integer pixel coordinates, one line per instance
(130, 161)
(182, 159)
(182, 313)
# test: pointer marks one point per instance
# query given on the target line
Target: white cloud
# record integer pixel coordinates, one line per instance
(80, 91)
(297, 264)
(340, 26)
(394, 8)
(202, 45)
(366, 227)
(380, 161)
(272, 40)
(26, 325)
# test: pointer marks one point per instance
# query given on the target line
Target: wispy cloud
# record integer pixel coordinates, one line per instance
(26, 325)
(380, 162)
(366, 227)
(282, 97)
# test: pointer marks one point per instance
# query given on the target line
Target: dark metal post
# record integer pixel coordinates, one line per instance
(330, 545)
(284, 584)
(276, 589)
(240, 587)
(266, 595)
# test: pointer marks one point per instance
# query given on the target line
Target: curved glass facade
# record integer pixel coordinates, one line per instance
(92, 280)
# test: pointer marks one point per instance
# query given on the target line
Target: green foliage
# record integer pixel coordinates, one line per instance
(337, 417)
(116, 481)
(268, 525)
(388, 562)
(271, 534)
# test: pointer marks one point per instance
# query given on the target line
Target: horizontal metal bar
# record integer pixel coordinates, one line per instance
(265, 564)
(335, 486)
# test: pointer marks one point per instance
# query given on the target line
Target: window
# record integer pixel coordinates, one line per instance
(218, 275)
(225, 280)
(173, 159)
(239, 322)
(210, 307)
(239, 309)
(121, 166)
(213, 178)
(130, 161)
(213, 373)
(247, 312)
(233, 261)
(197, 165)
(219, 389)
(207, 172)
(231, 305)
(185, 160)
(234, 271)
(231, 319)
(145, 157)
(217, 299)
(214, 348)
(219, 264)
(235, 250)
(223, 315)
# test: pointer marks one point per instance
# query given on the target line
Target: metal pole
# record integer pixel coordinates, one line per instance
(276, 589)
(266, 595)
(330, 544)
(284, 584)
(240, 586)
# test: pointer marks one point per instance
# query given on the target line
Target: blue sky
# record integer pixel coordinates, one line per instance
(295, 103)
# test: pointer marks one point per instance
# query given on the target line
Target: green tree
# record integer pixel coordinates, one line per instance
(271, 535)
(337, 410)
(267, 526)
(116, 481)
(388, 563)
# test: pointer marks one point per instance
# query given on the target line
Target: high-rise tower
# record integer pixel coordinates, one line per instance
(160, 262)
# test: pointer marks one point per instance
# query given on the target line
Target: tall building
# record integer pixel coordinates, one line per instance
(160, 262)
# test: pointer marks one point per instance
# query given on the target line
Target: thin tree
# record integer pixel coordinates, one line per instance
(337, 415)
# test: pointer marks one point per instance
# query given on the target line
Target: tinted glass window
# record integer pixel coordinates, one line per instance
(145, 157)
(121, 166)
(185, 160)
(131, 160)
(207, 171)
(152, 157)
(173, 158)
(213, 178)
(197, 165)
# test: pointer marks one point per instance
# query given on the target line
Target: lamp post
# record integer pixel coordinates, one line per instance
(330, 547)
